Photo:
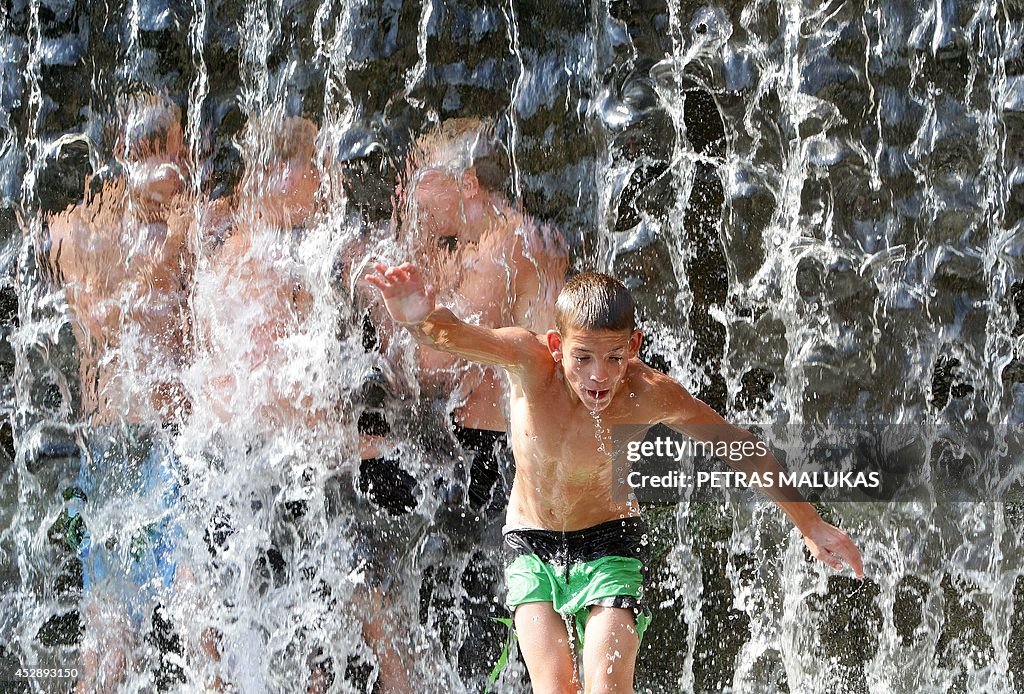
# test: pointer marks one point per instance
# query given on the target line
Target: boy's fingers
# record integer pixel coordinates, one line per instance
(841, 553)
(380, 279)
(848, 552)
(830, 560)
(853, 558)
(389, 276)
(405, 274)
(383, 274)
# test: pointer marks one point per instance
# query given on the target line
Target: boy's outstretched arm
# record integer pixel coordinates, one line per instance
(697, 420)
(411, 304)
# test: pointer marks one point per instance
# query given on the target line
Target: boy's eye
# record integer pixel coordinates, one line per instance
(448, 243)
(616, 359)
(581, 359)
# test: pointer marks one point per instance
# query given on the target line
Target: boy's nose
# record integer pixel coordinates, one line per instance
(598, 374)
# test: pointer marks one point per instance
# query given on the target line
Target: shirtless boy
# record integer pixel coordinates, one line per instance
(251, 296)
(121, 256)
(499, 266)
(575, 545)
(502, 268)
(255, 328)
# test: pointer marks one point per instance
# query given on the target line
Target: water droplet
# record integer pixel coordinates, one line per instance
(632, 395)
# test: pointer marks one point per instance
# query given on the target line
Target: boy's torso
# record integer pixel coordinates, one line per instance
(508, 275)
(123, 274)
(565, 456)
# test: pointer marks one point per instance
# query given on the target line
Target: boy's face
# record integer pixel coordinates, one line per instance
(293, 184)
(439, 201)
(594, 362)
(286, 188)
(154, 165)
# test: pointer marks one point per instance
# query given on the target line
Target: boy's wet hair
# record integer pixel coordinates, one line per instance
(594, 301)
(460, 143)
(144, 124)
(273, 137)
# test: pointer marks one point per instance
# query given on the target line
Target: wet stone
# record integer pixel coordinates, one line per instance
(61, 630)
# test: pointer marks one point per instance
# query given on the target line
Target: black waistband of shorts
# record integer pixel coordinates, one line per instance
(626, 537)
(478, 439)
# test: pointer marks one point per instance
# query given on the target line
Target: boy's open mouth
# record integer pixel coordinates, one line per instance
(597, 394)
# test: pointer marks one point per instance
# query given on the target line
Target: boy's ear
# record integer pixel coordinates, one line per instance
(555, 344)
(469, 183)
(635, 340)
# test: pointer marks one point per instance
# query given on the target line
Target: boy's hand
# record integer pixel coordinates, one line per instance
(832, 546)
(407, 299)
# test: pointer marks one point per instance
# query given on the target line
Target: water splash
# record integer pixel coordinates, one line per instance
(817, 206)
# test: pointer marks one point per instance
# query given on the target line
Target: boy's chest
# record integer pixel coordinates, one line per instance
(553, 428)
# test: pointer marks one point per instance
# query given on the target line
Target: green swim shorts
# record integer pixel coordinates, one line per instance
(574, 571)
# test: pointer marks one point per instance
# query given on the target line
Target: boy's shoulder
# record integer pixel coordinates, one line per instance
(644, 375)
(535, 347)
(534, 368)
(655, 391)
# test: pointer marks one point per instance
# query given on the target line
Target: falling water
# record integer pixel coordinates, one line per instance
(818, 206)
